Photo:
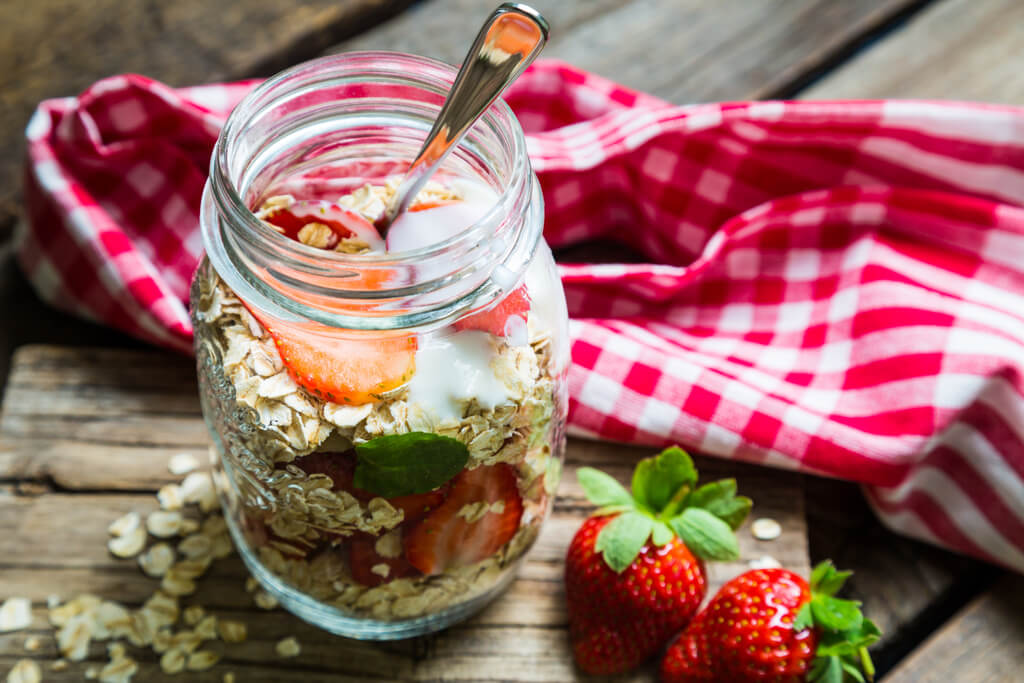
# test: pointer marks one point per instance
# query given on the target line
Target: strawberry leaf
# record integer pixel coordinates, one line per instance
(657, 480)
(832, 672)
(407, 464)
(705, 535)
(834, 614)
(720, 499)
(826, 579)
(853, 672)
(622, 538)
(804, 618)
(602, 489)
(661, 533)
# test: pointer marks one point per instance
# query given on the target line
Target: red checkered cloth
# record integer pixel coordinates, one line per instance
(835, 287)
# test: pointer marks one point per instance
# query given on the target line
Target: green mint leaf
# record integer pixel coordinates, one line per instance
(705, 535)
(602, 489)
(621, 539)
(661, 533)
(720, 499)
(406, 464)
(804, 619)
(834, 614)
(657, 480)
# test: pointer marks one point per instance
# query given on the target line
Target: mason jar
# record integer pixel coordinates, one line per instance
(388, 415)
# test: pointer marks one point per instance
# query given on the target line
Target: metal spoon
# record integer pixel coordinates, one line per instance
(509, 40)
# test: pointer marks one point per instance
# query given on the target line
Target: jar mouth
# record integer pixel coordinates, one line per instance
(303, 115)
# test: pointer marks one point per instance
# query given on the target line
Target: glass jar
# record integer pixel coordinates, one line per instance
(388, 417)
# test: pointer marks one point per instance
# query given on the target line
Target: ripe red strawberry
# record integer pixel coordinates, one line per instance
(444, 539)
(770, 625)
(634, 573)
(495, 320)
(363, 558)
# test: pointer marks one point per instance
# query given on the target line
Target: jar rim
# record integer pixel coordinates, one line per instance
(241, 238)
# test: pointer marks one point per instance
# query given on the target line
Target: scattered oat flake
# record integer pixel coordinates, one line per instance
(193, 614)
(119, 670)
(129, 545)
(15, 614)
(25, 671)
(288, 647)
(164, 523)
(232, 631)
(195, 546)
(52, 600)
(92, 672)
(170, 497)
(125, 525)
(765, 529)
(182, 463)
(198, 488)
(207, 628)
(251, 584)
(229, 677)
(265, 600)
(60, 665)
(202, 660)
(177, 585)
(157, 560)
(33, 643)
(173, 661)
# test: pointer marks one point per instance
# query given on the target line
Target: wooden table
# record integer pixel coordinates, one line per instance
(946, 618)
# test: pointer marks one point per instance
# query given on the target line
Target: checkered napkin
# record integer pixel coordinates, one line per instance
(834, 287)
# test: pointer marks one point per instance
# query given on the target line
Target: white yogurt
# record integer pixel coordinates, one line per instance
(417, 229)
(453, 369)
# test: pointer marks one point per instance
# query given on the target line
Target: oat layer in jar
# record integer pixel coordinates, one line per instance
(388, 414)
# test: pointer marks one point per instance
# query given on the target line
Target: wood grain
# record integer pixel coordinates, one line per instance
(61, 46)
(681, 50)
(99, 425)
(954, 49)
(983, 643)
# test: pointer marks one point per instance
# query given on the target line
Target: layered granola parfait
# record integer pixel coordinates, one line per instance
(388, 412)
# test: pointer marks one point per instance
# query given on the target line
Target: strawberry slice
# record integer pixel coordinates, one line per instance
(342, 222)
(495, 320)
(349, 371)
(443, 539)
(363, 557)
(423, 206)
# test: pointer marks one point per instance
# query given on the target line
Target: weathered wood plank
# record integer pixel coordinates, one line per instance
(520, 637)
(955, 49)
(983, 643)
(681, 50)
(54, 48)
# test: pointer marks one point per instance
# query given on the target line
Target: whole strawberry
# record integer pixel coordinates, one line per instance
(634, 573)
(770, 625)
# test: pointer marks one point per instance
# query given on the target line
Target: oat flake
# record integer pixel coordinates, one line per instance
(288, 647)
(25, 671)
(765, 529)
(124, 525)
(15, 614)
(182, 463)
(129, 545)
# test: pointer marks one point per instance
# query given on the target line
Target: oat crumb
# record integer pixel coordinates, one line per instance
(288, 647)
(182, 463)
(15, 614)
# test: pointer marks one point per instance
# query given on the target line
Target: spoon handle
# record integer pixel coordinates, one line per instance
(508, 42)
